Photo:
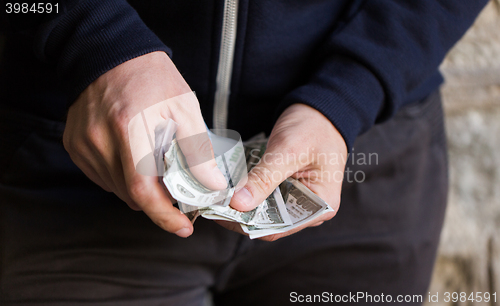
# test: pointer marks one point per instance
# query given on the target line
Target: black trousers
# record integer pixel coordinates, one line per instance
(64, 241)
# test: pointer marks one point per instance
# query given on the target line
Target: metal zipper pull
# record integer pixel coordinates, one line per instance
(225, 69)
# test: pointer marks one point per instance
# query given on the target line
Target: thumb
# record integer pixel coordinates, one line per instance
(273, 168)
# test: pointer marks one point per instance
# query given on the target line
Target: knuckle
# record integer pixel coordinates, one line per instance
(137, 190)
(96, 140)
(271, 238)
(93, 134)
(261, 178)
(71, 143)
(119, 120)
(185, 107)
(79, 146)
(196, 150)
(205, 148)
(190, 104)
(162, 223)
(67, 143)
(334, 200)
(285, 141)
(167, 224)
(288, 149)
(134, 207)
(329, 215)
(75, 147)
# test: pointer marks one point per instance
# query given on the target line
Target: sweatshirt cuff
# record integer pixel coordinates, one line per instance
(94, 37)
(345, 92)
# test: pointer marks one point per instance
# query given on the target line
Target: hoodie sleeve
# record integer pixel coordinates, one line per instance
(383, 57)
(86, 38)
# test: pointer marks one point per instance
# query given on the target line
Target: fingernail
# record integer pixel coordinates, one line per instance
(244, 197)
(184, 232)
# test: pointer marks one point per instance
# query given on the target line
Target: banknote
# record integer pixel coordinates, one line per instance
(270, 213)
(164, 134)
(184, 187)
(254, 150)
(230, 159)
(302, 206)
(291, 205)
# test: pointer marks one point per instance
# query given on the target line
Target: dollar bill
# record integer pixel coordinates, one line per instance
(254, 150)
(270, 213)
(291, 205)
(164, 134)
(302, 206)
(231, 160)
(185, 188)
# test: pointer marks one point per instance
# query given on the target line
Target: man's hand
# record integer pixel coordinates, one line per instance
(98, 134)
(303, 144)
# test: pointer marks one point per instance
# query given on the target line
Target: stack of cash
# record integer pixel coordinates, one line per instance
(290, 205)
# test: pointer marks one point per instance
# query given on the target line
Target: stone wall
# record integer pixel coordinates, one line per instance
(469, 254)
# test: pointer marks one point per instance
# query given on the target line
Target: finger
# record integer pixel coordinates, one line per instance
(97, 178)
(272, 170)
(194, 141)
(114, 174)
(145, 190)
(86, 155)
(103, 171)
(149, 195)
(73, 148)
(235, 227)
(317, 224)
(172, 200)
(329, 192)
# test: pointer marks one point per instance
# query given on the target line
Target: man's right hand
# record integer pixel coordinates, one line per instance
(98, 141)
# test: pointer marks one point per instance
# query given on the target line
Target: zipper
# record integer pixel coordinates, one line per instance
(225, 69)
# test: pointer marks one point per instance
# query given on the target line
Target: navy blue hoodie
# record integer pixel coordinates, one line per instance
(356, 61)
